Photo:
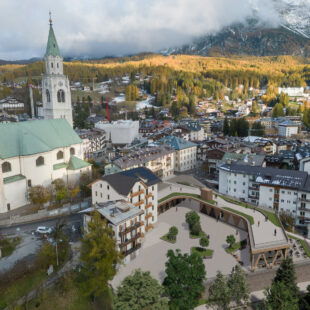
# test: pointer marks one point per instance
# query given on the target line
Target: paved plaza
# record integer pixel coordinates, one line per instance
(152, 255)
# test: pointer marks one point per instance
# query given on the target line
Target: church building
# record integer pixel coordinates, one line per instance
(56, 95)
(37, 152)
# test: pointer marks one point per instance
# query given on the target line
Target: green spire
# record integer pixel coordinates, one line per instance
(52, 46)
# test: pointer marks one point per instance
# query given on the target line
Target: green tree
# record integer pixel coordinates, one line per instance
(280, 297)
(277, 110)
(258, 129)
(287, 220)
(196, 229)
(99, 256)
(39, 195)
(284, 100)
(226, 127)
(230, 239)
(239, 288)
(204, 242)
(219, 292)
(286, 274)
(191, 218)
(140, 291)
(184, 281)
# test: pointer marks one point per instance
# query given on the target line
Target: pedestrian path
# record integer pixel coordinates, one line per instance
(265, 233)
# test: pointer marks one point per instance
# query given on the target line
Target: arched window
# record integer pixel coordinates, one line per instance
(61, 96)
(52, 65)
(6, 167)
(40, 161)
(60, 155)
(48, 96)
(72, 151)
(57, 65)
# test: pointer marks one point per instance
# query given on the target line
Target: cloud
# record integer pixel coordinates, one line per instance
(117, 27)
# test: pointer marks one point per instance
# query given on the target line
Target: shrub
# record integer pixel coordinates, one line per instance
(191, 218)
(243, 243)
(204, 242)
(230, 240)
(196, 229)
(173, 231)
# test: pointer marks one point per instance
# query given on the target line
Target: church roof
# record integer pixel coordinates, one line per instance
(32, 137)
(52, 46)
(77, 163)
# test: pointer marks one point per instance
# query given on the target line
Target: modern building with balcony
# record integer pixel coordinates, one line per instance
(160, 160)
(137, 186)
(126, 223)
(282, 190)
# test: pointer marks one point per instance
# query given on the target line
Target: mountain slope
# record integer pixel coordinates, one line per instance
(291, 37)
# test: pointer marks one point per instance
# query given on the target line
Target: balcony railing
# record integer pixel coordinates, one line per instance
(149, 215)
(133, 238)
(148, 195)
(147, 228)
(137, 193)
(253, 197)
(130, 228)
(303, 199)
(148, 205)
(138, 246)
(139, 203)
(253, 188)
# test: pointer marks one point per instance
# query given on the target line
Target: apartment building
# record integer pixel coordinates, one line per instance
(137, 186)
(160, 160)
(282, 190)
(126, 222)
(185, 152)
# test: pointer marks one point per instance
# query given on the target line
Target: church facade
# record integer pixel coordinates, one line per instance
(56, 95)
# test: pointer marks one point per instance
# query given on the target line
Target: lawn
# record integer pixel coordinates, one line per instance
(186, 184)
(236, 246)
(201, 234)
(8, 245)
(271, 216)
(303, 243)
(20, 288)
(249, 217)
(203, 252)
(178, 194)
(165, 238)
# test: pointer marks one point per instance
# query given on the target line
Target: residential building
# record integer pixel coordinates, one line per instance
(121, 132)
(10, 103)
(192, 131)
(94, 143)
(292, 91)
(281, 190)
(36, 153)
(56, 94)
(160, 160)
(287, 129)
(137, 186)
(185, 152)
(126, 223)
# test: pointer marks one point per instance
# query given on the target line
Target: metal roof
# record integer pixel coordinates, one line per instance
(52, 46)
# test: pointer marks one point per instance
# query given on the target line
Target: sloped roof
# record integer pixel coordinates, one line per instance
(52, 46)
(123, 181)
(76, 163)
(177, 143)
(32, 137)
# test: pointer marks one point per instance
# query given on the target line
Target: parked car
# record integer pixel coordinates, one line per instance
(43, 230)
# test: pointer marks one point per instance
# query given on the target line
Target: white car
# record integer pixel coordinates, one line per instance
(43, 230)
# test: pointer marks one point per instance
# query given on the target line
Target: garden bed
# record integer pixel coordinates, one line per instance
(201, 234)
(165, 238)
(202, 252)
(249, 217)
(235, 247)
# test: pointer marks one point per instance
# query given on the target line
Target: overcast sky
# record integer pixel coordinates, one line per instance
(116, 27)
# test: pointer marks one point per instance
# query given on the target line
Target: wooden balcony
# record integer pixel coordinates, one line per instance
(127, 241)
(148, 216)
(130, 228)
(147, 228)
(138, 246)
(148, 195)
(137, 193)
(139, 203)
(148, 205)
(142, 223)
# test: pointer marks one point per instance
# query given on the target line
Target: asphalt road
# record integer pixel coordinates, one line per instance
(73, 219)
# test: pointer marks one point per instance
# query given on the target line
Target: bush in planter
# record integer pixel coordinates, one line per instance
(230, 240)
(243, 243)
(173, 231)
(192, 218)
(196, 229)
(204, 242)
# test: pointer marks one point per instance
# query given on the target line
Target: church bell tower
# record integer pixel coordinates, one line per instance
(56, 95)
